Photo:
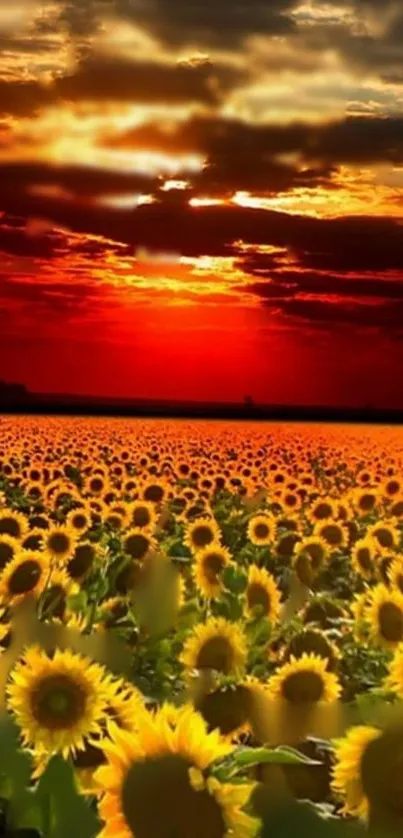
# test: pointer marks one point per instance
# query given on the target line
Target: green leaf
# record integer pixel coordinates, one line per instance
(235, 579)
(284, 755)
(65, 811)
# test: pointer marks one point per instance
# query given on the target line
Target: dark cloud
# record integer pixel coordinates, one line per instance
(209, 23)
(335, 245)
(121, 79)
(23, 98)
(85, 181)
(385, 316)
(351, 140)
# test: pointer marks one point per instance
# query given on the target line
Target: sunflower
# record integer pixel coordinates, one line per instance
(79, 519)
(323, 610)
(384, 614)
(262, 592)
(365, 501)
(33, 540)
(316, 548)
(9, 547)
(394, 680)
(312, 641)
(57, 701)
(208, 567)
(396, 508)
(137, 544)
(96, 485)
(322, 509)
(169, 764)
(156, 491)
(82, 560)
(261, 530)
(13, 523)
(201, 533)
(216, 644)
(143, 514)
(332, 532)
(304, 680)
(26, 575)
(386, 535)
(125, 707)
(54, 598)
(59, 543)
(346, 782)
(363, 555)
(395, 574)
(229, 708)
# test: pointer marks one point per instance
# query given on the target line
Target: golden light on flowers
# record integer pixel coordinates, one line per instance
(208, 567)
(169, 763)
(322, 509)
(13, 523)
(216, 644)
(261, 530)
(304, 680)
(26, 575)
(202, 533)
(59, 542)
(384, 614)
(57, 701)
(363, 555)
(346, 780)
(262, 592)
(154, 491)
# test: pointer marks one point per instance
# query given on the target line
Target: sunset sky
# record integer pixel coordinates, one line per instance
(203, 199)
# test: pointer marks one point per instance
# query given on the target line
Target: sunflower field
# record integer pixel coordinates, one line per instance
(201, 629)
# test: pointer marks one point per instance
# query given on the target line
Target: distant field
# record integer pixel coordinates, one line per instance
(212, 611)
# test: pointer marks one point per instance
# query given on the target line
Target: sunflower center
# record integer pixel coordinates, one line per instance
(384, 788)
(364, 558)
(391, 622)
(257, 595)
(181, 810)
(141, 517)
(58, 542)
(9, 526)
(216, 653)
(6, 553)
(202, 536)
(323, 510)
(310, 642)
(81, 561)
(154, 493)
(58, 702)
(96, 484)
(79, 521)
(213, 565)
(302, 687)
(384, 536)
(332, 534)
(25, 577)
(227, 709)
(261, 530)
(367, 502)
(136, 546)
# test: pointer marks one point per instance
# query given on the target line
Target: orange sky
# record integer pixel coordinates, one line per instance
(203, 201)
